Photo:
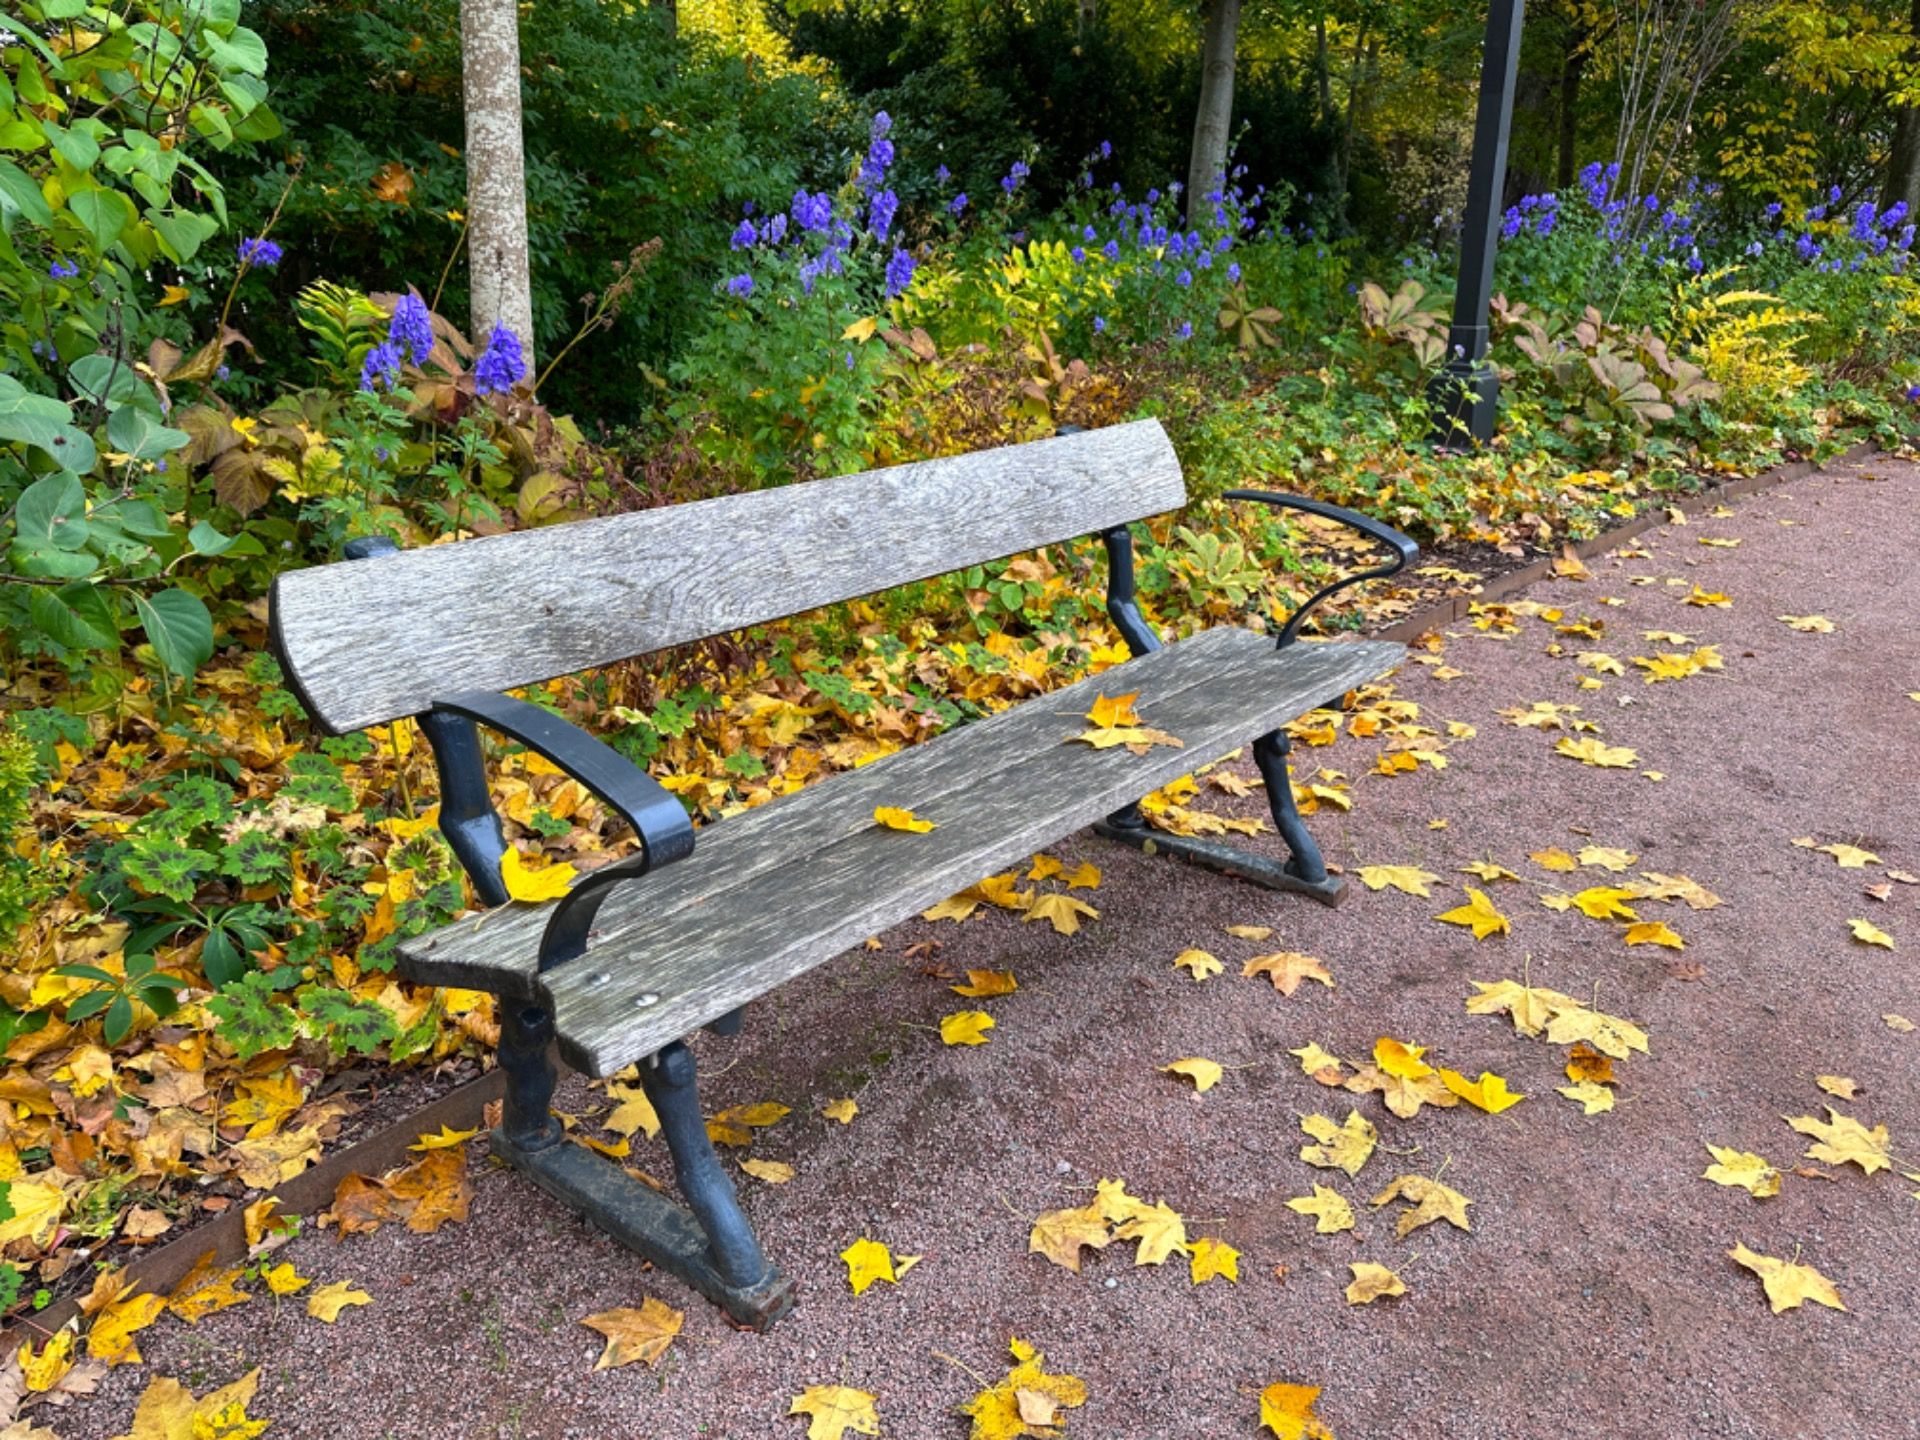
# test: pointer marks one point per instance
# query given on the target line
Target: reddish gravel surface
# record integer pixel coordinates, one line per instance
(1594, 1295)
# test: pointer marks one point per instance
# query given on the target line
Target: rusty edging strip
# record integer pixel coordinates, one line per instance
(158, 1270)
(1445, 612)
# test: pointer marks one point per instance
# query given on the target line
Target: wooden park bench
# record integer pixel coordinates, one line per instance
(643, 952)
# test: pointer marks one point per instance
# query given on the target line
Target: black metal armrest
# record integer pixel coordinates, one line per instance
(1405, 550)
(657, 818)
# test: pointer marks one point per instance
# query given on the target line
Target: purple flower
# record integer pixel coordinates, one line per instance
(899, 273)
(882, 124)
(1233, 273)
(1185, 277)
(1185, 332)
(740, 286)
(61, 270)
(1100, 328)
(501, 365)
(1106, 149)
(881, 212)
(812, 212)
(1153, 197)
(776, 229)
(1111, 250)
(222, 373)
(381, 368)
(260, 253)
(1019, 171)
(1913, 394)
(958, 203)
(1089, 233)
(1077, 255)
(411, 330)
(941, 175)
(745, 236)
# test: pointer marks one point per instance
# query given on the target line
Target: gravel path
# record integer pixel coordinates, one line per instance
(1594, 1294)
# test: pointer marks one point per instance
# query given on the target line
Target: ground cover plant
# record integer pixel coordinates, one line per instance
(230, 344)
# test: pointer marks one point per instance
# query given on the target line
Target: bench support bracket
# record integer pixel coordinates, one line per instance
(707, 1243)
(1304, 873)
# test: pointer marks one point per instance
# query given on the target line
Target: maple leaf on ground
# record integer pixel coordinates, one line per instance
(1197, 963)
(1604, 902)
(1531, 1008)
(1839, 1086)
(42, 1370)
(446, 1137)
(1487, 870)
(283, 1279)
(1399, 1059)
(1063, 912)
(1402, 1095)
(168, 1411)
(1288, 969)
(1477, 915)
(1708, 599)
(1899, 1023)
(328, 1301)
(1608, 1034)
(530, 886)
(1329, 1209)
(1210, 1258)
(1675, 887)
(633, 1112)
(1655, 932)
(1742, 1170)
(1320, 1065)
(1159, 1230)
(1848, 857)
(1603, 857)
(1584, 1064)
(205, 1289)
(1287, 1410)
(840, 1110)
(1592, 1097)
(1843, 1140)
(1867, 933)
(1045, 867)
(1250, 932)
(1488, 1093)
(984, 983)
(642, 1334)
(1430, 1201)
(1808, 624)
(868, 1261)
(111, 1338)
(835, 1410)
(1372, 1282)
(1204, 1074)
(1002, 1412)
(1409, 879)
(1061, 1234)
(772, 1172)
(1554, 858)
(1589, 751)
(1085, 876)
(1787, 1283)
(893, 818)
(966, 1027)
(1346, 1146)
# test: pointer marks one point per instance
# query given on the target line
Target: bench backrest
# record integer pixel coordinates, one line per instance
(368, 641)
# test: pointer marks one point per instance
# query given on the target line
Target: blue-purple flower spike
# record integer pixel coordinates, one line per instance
(501, 365)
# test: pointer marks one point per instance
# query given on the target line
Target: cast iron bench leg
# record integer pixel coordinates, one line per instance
(1305, 873)
(711, 1246)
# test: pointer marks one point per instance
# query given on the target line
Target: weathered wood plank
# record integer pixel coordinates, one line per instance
(770, 894)
(367, 641)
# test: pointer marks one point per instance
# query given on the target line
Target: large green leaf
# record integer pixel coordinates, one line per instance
(134, 432)
(44, 423)
(179, 627)
(105, 213)
(240, 50)
(182, 231)
(53, 511)
(78, 616)
(76, 147)
(20, 196)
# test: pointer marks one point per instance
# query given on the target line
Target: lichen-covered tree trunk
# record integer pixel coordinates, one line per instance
(496, 171)
(1213, 121)
(1903, 160)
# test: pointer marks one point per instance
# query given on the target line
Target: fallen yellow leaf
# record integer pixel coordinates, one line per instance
(966, 1027)
(1371, 1282)
(1204, 1074)
(1788, 1285)
(1488, 1093)
(896, 819)
(1742, 1170)
(531, 886)
(1210, 1258)
(1329, 1208)
(643, 1334)
(1477, 915)
(836, 1409)
(328, 1301)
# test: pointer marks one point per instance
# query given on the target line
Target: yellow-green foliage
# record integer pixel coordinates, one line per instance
(1748, 343)
(21, 885)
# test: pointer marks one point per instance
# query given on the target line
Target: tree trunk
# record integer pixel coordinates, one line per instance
(1213, 122)
(496, 172)
(1903, 161)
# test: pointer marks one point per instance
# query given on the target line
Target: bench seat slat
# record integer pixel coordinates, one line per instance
(769, 894)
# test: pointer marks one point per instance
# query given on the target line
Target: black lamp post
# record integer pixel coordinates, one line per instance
(1466, 394)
